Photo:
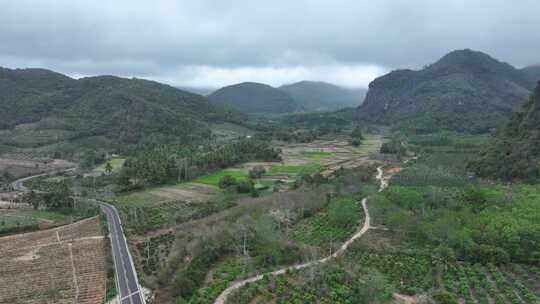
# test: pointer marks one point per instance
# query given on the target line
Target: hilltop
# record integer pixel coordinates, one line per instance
(252, 97)
(322, 96)
(463, 91)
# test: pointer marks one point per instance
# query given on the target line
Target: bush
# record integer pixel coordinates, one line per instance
(256, 172)
(245, 186)
(444, 297)
(226, 181)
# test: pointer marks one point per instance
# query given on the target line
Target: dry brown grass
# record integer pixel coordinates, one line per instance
(61, 265)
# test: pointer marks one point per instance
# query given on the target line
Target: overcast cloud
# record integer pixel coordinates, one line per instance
(205, 43)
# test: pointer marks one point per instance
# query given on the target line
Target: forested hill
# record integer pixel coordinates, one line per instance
(322, 96)
(251, 97)
(464, 91)
(31, 94)
(117, 109)
(515, 151)
(533, 71)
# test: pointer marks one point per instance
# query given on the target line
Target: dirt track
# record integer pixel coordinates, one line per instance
(222, 299)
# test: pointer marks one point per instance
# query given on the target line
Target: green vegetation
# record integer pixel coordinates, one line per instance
(514, 153)
(63, 115)
(303, 127)
(435, 202)
(214, 178)
(333, 283)
(332, 225)
(168, 164)
(259, 237)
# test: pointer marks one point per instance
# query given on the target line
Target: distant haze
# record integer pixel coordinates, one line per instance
(211, 44)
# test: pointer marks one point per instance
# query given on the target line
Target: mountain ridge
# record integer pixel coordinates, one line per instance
(465, 90)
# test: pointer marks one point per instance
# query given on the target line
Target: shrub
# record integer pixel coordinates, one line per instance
(256, 172)
(444, 297)
(245, 186)
(226, 181)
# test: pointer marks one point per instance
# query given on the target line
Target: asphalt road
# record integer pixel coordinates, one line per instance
(127, 283)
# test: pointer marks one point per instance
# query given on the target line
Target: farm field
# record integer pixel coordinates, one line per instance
(193, 192)
(324, 155)
(61, 265)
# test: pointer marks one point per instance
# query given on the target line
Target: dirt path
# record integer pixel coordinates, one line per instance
(222, 299)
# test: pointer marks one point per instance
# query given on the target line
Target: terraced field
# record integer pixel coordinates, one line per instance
(61, 265)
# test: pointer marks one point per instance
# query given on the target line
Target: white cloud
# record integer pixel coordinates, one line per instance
(352, 76)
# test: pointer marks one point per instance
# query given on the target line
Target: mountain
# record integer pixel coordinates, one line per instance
(251, 97)
(515, 150)
(27, 95)
(322, 96)
(198, 91)
(533, 71)
(40, 107)
(464, 91)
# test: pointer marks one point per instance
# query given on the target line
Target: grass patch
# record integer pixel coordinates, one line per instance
(293, 170)
(317, 155)
(28, 217)
(214, 177)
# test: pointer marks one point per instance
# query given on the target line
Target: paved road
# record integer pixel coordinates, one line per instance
(127, 283)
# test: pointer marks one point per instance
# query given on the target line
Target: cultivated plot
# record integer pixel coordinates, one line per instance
(61, 265)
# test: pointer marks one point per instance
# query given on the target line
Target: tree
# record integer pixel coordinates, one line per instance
(59, 197)
(108, 167)
(32, 198)
(356, 136)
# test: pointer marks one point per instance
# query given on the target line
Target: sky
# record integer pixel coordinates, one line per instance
(204, 43)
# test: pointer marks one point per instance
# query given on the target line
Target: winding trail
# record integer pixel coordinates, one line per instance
(222, 299)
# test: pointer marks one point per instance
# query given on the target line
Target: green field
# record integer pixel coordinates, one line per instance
(214, 177)
(15, 218)
(293, 170)
(317, 155)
